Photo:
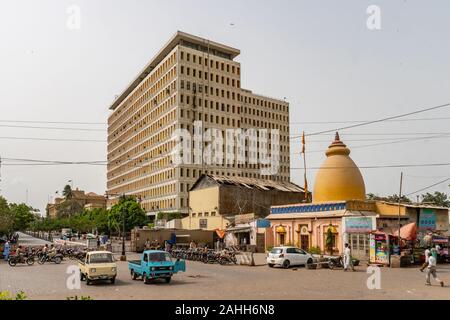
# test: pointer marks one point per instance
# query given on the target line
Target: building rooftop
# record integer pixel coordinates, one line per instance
(179, 38)
(250, 183)
(415, 205)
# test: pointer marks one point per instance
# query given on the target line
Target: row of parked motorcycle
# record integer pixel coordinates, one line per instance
(206, 255)
(30, 256)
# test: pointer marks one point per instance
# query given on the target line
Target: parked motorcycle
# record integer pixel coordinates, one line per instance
(57, 258)
(335, 262)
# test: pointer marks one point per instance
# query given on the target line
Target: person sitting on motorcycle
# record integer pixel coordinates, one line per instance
(52, 252)
(45, 250)
(19, 253)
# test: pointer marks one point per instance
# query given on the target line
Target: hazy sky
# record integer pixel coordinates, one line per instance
(320, 55)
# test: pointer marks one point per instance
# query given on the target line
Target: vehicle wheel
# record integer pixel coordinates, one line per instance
(331, 265)
(88, 282)
(168, 279)
(286, 264)
(57, 260)
(145, 279)
(310, 264)
(41, 260)
(81, 276)
(270, 265)
(12, 262)
(112, 280)
(30, 261)
(133, 275)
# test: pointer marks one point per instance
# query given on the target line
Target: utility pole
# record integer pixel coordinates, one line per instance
(399, 200)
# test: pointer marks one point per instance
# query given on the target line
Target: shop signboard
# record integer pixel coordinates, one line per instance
(427, 219)
(263, 223)
(358, 224)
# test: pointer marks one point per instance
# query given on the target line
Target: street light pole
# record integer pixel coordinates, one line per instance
(123, 257)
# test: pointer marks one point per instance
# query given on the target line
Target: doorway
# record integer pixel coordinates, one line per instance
(304, 242)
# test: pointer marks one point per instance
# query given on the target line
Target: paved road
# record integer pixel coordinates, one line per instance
(203, 281)
(26, 240)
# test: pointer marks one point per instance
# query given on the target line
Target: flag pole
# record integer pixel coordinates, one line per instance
(304, 166)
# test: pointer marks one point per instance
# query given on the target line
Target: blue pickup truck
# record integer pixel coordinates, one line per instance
(155, 264)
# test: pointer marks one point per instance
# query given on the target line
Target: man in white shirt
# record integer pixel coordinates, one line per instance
(347, 258)
(431, 270)
(425, 264)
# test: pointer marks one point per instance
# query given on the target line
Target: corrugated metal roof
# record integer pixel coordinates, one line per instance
(252, 183)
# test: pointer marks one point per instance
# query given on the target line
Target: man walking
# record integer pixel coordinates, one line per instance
(425, 264)
(348, 258)
(431, 270)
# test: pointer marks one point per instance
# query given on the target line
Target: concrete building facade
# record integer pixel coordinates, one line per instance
(190, 79)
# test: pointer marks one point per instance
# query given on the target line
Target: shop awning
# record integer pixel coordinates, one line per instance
(280, 229)
(408, 232)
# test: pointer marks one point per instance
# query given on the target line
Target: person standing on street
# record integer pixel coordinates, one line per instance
(431, 270)
(348, 258)
(6, 249)
(425, 264)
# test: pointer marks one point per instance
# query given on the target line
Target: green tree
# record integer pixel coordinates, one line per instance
(168, 216)
(67, 192)
(6, 218)
(438, 199)
(131, 209)
(329, 239)
(68, 208)
(23, 216)
(392, 198)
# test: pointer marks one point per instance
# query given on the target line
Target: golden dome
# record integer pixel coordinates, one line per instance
(339, 177)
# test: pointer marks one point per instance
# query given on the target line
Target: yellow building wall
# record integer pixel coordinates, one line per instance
(389, 209)
(202, 202)
(218, 222)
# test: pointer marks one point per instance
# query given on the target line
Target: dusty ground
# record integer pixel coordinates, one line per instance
(203, 281)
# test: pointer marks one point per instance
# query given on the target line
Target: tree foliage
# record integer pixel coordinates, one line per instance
(67, 192)
(68, 208)
(437, 198)
(6, 218)
(391, 198)
(130, 209)
(23, 216)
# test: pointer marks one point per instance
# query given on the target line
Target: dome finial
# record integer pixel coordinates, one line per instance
(336, 137)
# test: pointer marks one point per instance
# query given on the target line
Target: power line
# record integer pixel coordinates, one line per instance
(382, 120)
(51, 139)
(51, 128)
(54, 122)
(428, 187)
(362, 121)
(388, 143)
(297, 136)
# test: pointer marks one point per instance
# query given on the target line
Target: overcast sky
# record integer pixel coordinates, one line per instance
(320, 55)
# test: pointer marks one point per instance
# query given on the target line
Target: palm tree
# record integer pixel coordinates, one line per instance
(67, 192)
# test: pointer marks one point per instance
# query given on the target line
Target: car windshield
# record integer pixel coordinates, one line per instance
(160, 256)
(276, 250)
(100, 258)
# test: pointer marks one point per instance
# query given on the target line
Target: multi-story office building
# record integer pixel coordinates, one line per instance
(190, 79)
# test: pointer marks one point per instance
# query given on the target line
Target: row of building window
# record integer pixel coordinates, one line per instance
(155, 81)
(214, 64)
(203, 214)
(203, 75)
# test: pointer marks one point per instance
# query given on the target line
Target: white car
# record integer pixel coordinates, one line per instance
(288, 256)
